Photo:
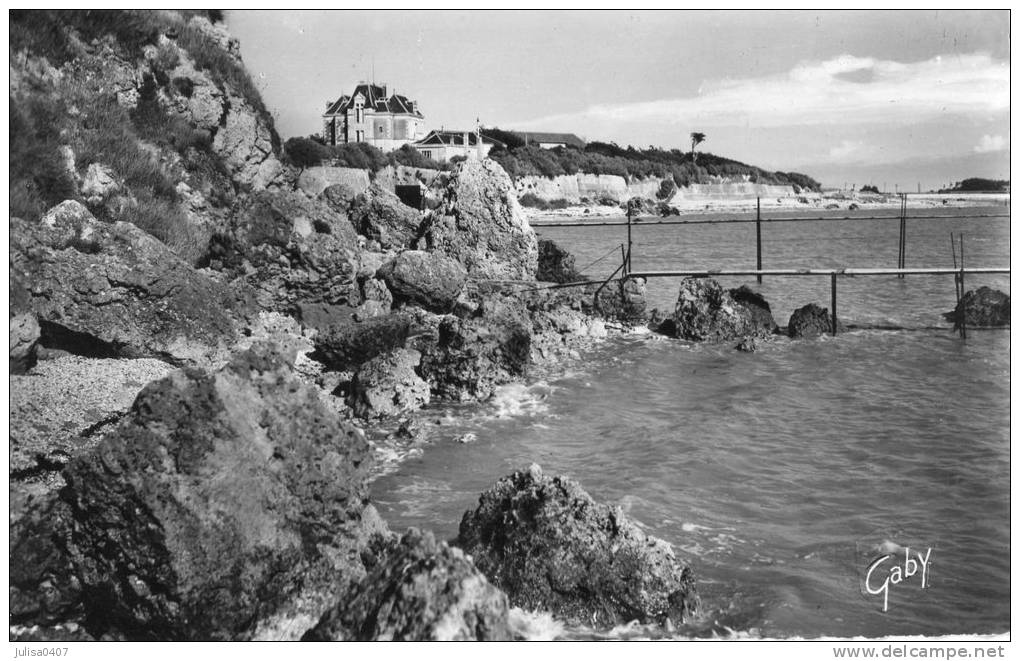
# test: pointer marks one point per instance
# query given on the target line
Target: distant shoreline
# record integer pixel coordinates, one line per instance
(820, 202)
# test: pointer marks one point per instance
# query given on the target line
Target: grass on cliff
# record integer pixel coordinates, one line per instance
(150, 149)
(98, 130)
(58, 35)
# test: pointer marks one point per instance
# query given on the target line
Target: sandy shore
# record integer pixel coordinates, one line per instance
(823, 202)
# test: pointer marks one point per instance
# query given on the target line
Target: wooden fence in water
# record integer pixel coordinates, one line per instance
(900, 271)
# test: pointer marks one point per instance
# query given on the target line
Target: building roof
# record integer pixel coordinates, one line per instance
(568, 139)
(454, 139)
(375, 99)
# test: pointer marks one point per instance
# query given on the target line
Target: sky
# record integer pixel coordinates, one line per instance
(895, 98)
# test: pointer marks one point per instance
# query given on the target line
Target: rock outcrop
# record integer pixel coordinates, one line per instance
(346, 345)
(24, 341)
(468, 357)
(429, 279)
(388, 386)
(623, 301)
(549, 546)
(242, 137)
(809, 321)
(417, 590)
(221, 502)
(982, 307)
(378, 214)
(113, 290)
(291, 250)
(482, 226)
(705, 312)
(555, 264)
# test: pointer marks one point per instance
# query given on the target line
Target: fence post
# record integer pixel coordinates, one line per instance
(630, 216)
(902, 261)
(758, 226)
(963, 308)
(834, 304)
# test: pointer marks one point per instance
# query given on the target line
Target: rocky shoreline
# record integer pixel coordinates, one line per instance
(214, 485)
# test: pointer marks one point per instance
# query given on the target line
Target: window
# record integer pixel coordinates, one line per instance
(359, 136)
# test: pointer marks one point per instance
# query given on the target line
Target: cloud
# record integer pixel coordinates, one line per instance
(849, 151)
(844, 90)
(989, 143)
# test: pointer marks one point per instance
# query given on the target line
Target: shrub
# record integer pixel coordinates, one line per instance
(305, 153)
(167, 57)
(666, 189)
(532, 201)
(359, 155)
(411, 157)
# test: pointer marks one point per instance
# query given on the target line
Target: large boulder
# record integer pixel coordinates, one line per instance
(387, 386)
(546, 543)
(705, 312)
(292, 250)
(346, 345)
(481, 224)
(809, 321)
(623, 301)
(418, 589)
(24, 341)
(225, 506)
(64, 406)
(429, 279)
(114, 290)
(379, 214)
(468, 357)
(982, 307)
(555, 264)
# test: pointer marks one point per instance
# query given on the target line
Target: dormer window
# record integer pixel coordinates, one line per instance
(359, 109)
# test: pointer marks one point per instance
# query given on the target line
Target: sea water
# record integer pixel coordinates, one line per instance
(783, 475)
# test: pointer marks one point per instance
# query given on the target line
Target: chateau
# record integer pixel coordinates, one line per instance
(370, 115)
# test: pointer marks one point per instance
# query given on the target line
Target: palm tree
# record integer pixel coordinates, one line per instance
(696, 139)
